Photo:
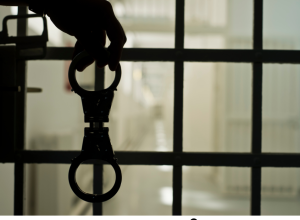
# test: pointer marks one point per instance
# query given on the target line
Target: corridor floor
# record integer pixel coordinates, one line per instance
(147, 190)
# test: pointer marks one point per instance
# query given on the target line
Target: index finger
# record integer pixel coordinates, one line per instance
(116, 35)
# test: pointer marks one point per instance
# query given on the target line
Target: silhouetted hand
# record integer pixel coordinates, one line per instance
(89, 21)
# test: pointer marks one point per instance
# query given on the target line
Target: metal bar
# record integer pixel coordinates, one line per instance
(257, 108)
(22, 22)
(7, 99)
(10, 89)
(98, 169)
(191, 55)
(178, 106)
(19, 189)
(258, 25)
(166, 158)
(98, 189)
(177, 190)
(177, 136)
(20, 120)
(255, 190)
(179, 24)
(99, 78)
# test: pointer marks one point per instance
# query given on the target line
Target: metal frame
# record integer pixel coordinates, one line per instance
(256, 159)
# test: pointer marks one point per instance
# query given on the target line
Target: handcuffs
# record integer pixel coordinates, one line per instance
(96, 143)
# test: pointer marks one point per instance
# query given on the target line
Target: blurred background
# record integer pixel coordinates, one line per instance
(217, 114)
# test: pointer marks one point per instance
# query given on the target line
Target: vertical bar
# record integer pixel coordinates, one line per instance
(257, 107)
(20, 120)
(19, 189)
(178, 108)
(258, 25)
(179, 24)
(98, 169)
(7, 100)
(98, 189)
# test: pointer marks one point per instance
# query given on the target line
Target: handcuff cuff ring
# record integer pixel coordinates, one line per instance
(93, 197)
(82, 92)
(90, 153)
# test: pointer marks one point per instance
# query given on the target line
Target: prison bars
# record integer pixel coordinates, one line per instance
(256, 159)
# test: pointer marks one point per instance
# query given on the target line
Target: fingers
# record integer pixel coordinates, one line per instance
(91, 36)
(115, 34)
(115, 48)
(82, 64)
(93, 43)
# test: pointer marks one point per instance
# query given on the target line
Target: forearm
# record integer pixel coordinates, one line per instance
(14, 2)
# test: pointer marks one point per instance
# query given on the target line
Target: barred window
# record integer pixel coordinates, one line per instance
(205, 120)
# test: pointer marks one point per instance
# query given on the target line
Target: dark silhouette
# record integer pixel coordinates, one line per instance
(96, 142)
(89, 21)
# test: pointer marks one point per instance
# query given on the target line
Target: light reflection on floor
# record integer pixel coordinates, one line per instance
(147, 190)
(160, 136)
(193, 198)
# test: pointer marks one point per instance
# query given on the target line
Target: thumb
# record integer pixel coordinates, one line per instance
(94, 43)
(83, 63)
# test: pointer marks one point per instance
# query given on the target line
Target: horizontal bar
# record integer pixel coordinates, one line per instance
(164, 158)
(10, 89)
(190, 55)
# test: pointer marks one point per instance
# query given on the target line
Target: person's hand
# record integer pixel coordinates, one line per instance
(89, 21)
